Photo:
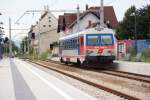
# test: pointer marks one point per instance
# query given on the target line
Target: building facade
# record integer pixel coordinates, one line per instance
(44, 33)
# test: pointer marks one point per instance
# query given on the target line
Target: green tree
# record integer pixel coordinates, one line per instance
(126, 29)
(6, 47)
(24, 45)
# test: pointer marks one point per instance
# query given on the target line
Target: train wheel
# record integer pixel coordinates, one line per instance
(61, 60)
(84, 64)
(111, 61)
(78, 62)
(66, 63)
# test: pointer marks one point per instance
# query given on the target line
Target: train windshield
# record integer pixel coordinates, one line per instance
(100, 40)
(93, 40)
(106, 40)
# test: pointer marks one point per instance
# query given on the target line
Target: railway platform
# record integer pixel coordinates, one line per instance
(20, 80)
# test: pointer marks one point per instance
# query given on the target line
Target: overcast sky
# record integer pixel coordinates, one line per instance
(15, 8)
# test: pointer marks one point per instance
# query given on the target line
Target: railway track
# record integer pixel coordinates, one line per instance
(137, 77)
(112, 91)
(132, 76)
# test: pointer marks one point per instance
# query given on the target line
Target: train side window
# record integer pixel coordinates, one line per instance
(73, 43)
(65, 44)
(70, 44)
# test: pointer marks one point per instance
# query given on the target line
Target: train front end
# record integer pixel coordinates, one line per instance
(100, 47)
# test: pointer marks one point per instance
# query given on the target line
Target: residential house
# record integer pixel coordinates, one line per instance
(67, 23)
(44, 33)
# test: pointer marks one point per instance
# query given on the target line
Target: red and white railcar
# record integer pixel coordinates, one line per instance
(89, 46)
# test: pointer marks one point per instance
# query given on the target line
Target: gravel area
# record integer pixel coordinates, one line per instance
(131, 87)
(129, 75)
(93, 91)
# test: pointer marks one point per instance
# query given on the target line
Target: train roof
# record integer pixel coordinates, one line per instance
(88, 31)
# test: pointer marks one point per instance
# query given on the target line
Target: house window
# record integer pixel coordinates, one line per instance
(49, 25)
(49, 20)
(44, 25)
(49, 17)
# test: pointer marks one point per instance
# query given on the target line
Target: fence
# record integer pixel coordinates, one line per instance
(125, 46)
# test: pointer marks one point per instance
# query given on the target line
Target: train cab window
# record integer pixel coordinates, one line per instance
(106, 40)
(92, 40)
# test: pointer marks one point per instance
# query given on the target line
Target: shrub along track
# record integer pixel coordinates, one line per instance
(60, 68)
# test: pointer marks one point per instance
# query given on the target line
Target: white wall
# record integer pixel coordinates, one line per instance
(48, 34)
(85, 22)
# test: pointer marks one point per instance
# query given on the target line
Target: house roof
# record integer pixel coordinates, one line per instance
(43, 15)
(109, 15)
(71, 18)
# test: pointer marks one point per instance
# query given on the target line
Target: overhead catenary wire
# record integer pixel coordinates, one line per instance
(59, 10)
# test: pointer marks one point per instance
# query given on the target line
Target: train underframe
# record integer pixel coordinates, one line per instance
(88, 60)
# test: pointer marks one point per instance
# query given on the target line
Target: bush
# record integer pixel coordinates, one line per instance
(132, 53)
(146, 55)
(44, 56)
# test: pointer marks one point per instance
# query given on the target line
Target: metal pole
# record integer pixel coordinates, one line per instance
(24, 46)
(78, 12)
(10, 44)
(39, 41)
(135, 33)
(28, 44)
(101, 11)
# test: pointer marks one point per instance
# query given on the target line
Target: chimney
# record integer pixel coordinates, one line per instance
(86, 7)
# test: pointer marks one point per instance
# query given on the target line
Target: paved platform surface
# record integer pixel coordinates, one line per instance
(133, 67)
(22, 81)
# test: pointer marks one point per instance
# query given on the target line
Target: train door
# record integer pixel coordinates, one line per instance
(121, 50)
(81, 41)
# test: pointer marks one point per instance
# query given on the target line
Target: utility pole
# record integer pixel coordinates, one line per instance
(10, 44)
(135, 34)
(28, 44)
(78, 15)
(39, 40)
(101, 12)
